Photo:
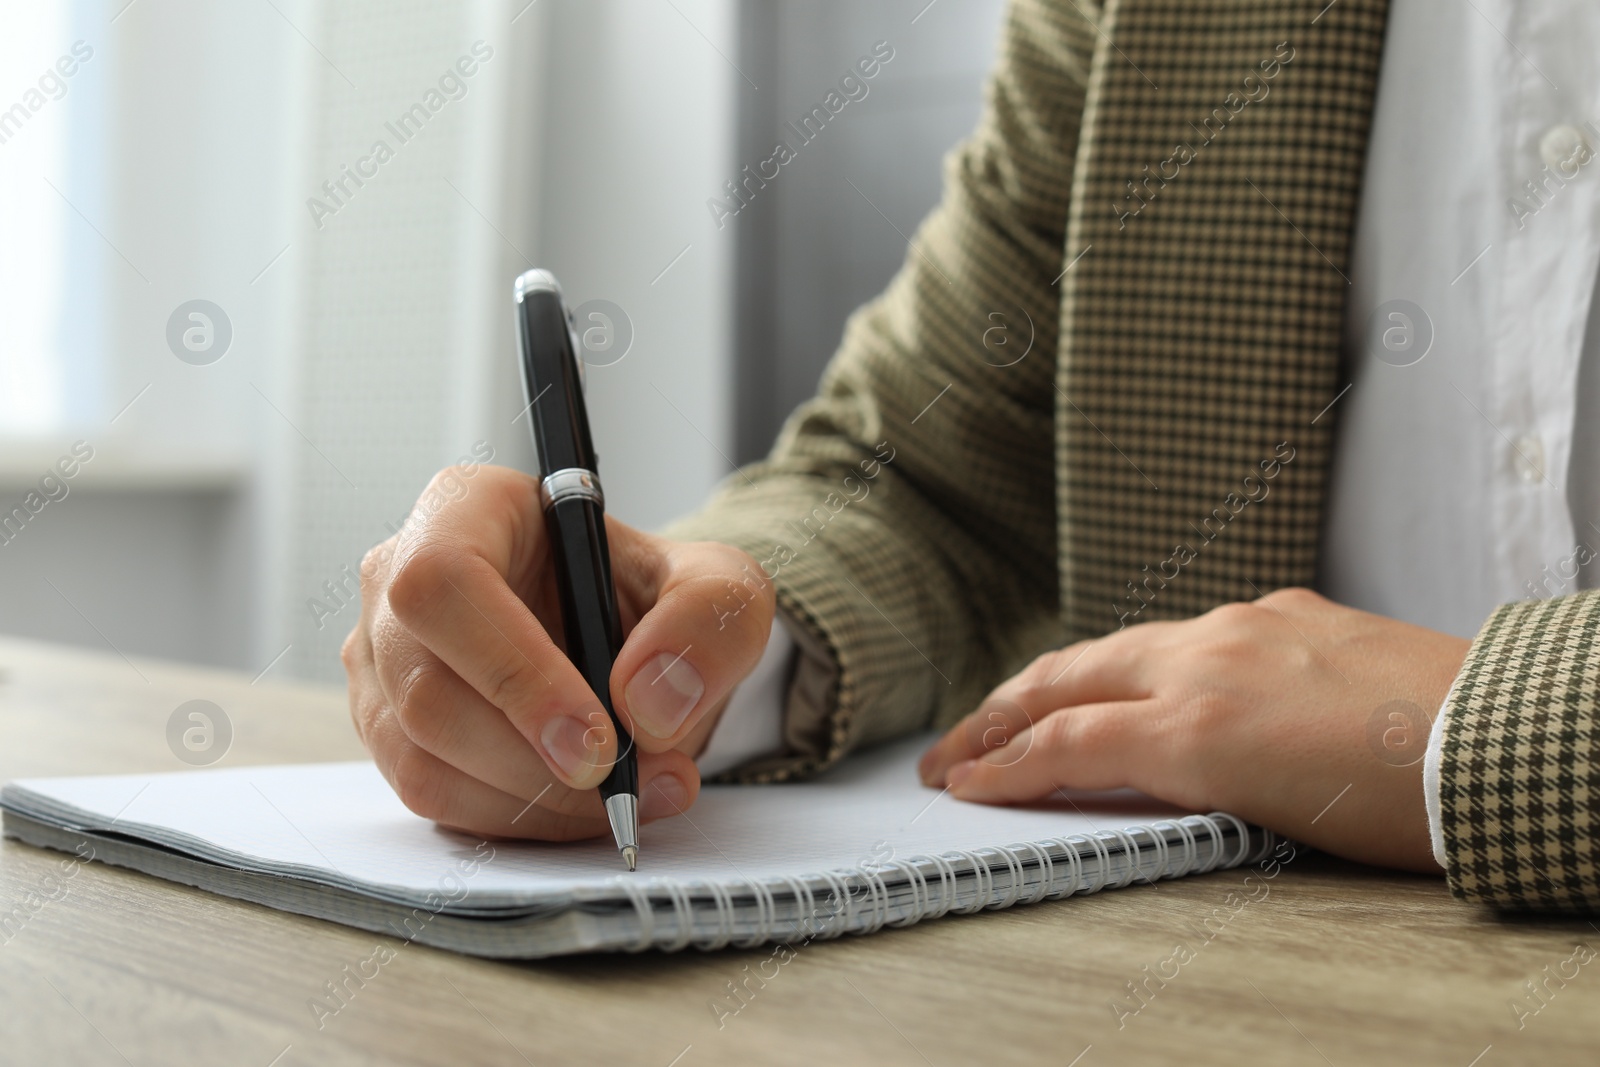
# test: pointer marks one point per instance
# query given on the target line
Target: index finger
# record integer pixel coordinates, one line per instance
(1097, 670)
(452, 589)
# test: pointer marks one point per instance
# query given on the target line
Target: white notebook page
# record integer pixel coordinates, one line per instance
(341, 824)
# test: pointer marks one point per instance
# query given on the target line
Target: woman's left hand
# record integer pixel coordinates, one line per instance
(1292, 712)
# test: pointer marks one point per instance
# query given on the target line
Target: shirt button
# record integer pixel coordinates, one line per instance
(1528, 456)
(1564, 149)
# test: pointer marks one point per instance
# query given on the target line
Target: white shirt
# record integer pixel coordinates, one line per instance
(1456, 485)
(1471, 476)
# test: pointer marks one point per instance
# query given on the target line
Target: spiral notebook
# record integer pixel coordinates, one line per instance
(863, 847)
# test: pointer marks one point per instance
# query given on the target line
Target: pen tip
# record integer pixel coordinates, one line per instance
(631, 855)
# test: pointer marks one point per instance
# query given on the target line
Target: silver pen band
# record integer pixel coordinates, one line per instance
(570, 483)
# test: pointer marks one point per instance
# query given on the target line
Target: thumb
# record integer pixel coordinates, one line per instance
(710, 614)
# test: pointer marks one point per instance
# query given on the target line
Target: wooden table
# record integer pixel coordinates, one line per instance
(1339, 964)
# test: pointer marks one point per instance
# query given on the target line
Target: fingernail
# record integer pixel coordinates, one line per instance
(926, 766)
(959, 773)
(664, 795)
(564, 740)
(663, 693)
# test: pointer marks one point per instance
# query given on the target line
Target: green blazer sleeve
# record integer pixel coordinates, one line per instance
(906, 515)
(1519, 781)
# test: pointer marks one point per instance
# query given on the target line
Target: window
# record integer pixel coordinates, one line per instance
(50, 145)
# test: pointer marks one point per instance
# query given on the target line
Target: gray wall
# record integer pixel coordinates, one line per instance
(621, 119)
(181, 138)
(811, 248)
(135, 571)
(637, 129)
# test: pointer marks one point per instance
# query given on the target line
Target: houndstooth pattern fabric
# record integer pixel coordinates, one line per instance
(1518, 774)
(1201, 328)
(908, 512)
(1123, 320)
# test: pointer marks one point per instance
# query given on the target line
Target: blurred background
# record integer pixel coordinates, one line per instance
(256, 263)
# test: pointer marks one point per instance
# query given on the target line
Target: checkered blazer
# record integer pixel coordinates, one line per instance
(1130, 296)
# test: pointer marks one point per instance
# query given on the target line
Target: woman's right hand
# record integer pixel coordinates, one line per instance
(461, 691)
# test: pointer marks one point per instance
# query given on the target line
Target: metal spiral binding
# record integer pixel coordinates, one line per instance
(684, 910)
(879, 890)
(947, 877)
(919, 892)
(1014, 865)
(1159, 845)
(1102, 863)
(1075, 865)
(863, 899)
(1214, 832)
(1244, 836)
(1190, 849)
(841, 892)
(1046, 869)
(766, 916)
(647, 913)
(724, 930)
(983, 879)
(800, 889)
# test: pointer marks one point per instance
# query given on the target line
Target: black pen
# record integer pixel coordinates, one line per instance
(574, 514)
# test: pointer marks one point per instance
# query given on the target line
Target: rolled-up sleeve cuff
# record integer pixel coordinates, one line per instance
(1430, 780)
(752, 723)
